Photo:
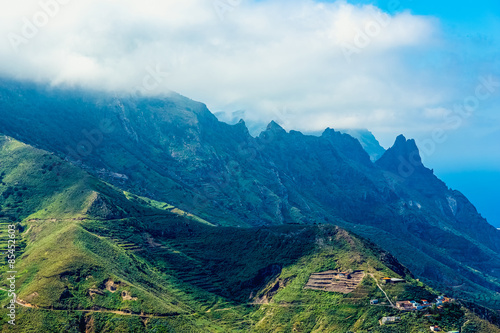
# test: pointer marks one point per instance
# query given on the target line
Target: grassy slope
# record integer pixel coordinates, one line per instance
(58, 260)
(78, 233)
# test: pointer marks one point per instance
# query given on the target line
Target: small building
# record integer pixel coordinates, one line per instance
(435, 329)
(440, 300)
(387, 280)
(374, 301)
(389, 320)
(405, 305)
(416, 306)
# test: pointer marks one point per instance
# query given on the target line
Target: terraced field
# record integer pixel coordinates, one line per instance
(120, 236)
(182, 264)
(178, 260)
(335, 281)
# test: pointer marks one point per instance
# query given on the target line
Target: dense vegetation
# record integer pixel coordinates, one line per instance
(93, 258)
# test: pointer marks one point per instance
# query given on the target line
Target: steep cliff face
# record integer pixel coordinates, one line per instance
(404, 163)
(174, 150)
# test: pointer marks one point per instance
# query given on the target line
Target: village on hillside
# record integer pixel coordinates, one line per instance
(346, 281)
(412, 305)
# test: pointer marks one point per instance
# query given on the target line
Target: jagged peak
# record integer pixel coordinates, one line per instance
(241, 124)
(241, 127)
(337, 135)
(403, 155)
(407, 148)
(400, 139)
(347, 145)
(328, 131)
(296, 133)
(275, 127)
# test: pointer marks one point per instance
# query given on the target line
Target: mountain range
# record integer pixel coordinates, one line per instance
(198, 221)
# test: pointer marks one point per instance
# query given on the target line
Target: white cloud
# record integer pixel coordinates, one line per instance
(262, 57)
(436, 113)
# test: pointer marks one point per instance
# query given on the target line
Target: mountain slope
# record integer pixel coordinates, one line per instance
(96, 259)
(61, 265)
(174, 150)
(53, 201)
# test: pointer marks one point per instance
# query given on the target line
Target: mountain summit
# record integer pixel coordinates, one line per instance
(402, 158)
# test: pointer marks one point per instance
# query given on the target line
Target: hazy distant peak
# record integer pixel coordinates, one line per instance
(368, 141)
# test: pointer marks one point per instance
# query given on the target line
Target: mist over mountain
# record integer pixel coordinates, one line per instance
(368, 141)
(175, 150)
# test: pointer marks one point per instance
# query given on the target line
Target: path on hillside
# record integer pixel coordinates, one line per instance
(379, 287)
(118, 312)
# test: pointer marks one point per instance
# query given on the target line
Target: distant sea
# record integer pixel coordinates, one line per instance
(481, 187)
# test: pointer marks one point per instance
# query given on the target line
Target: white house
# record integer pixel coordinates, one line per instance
(389, 320)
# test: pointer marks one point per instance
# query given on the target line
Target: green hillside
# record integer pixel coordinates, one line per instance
(92, 258)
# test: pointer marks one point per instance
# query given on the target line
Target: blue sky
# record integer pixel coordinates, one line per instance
(470, 160)
(306, 64)
(464, 12)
